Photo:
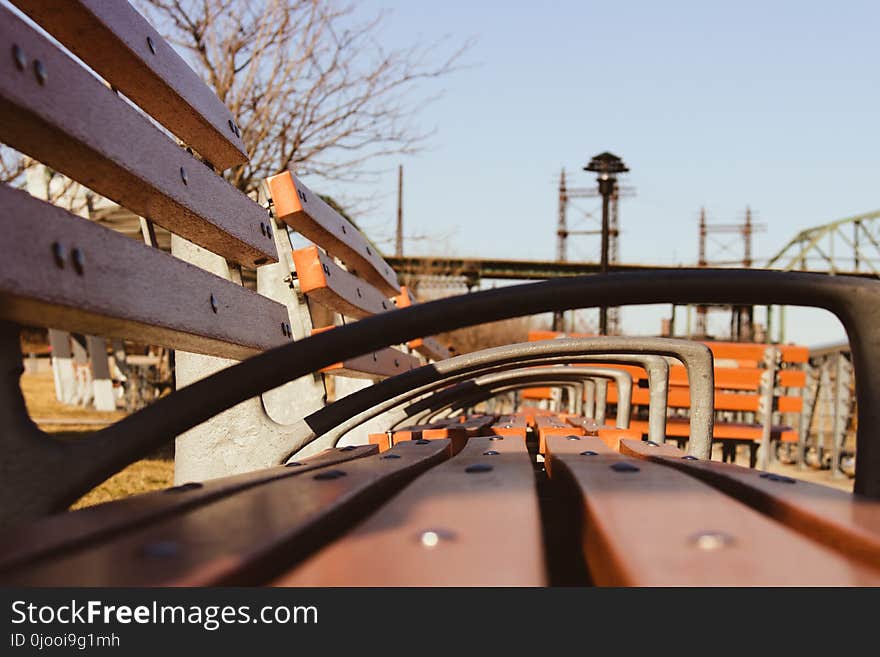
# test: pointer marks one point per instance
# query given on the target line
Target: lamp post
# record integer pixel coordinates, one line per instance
(606, 166)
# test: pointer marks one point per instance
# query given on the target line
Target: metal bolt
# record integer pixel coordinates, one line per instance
(79, 261)
(183, 176)
(289, 332)
(780, 478)
(58, 254)
(19, 57)
(390, 456)
(283, 329)
(369, 253)
(40, 71)
(214, 304)
(347, 448)
(651, 443)
(421, 442)
(689, 458)
(329, 474)
(325, 268)
(478, 467)
(160, 549)
(192, 485)
(384, 306)
(431, 538)
(359, 293)
(574, 437)
(262, 228)
(711, 540)
(269, 231)
(344, 231)
(623, 466)
(496, 438)
(396, 363)
(231, 126)
(491, 452)
(589, 453)
(151, 45)
(292, 464)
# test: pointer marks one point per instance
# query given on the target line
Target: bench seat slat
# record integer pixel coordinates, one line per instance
(649, 525)
(79, 127)
(450, 527)
(383, 363)
(112, 38)
(241, 539)
(29, 543)
(304, 211)
(321, 279)
(429, 348)
(849, 523)
(126, 289)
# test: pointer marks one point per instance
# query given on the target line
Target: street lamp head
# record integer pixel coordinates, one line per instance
(606, 165)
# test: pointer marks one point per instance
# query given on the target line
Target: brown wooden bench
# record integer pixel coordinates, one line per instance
(287, 509)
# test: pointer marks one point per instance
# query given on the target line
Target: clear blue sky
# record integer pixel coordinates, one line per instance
(763, 103)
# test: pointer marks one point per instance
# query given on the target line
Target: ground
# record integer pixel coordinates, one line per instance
(55, 417)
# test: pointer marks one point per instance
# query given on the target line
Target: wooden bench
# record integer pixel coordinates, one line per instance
(472, 504)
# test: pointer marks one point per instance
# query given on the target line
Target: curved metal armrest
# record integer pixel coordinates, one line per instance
(450, 397)
(41, 474)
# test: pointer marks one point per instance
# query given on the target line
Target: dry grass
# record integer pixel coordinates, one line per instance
(47, 411)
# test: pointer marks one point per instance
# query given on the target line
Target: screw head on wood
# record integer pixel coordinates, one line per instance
(711, 540)
(431, 538)
(589, 452)
(688, 457)
(79, 260)
(421, 441)
(574, 438)
(40, 71)
(183, 176)
(390, 456)
(477, 468)
(491, 452)
(151, 45)
(496, 438)
(58, 254)
(19, 57)
(329, 474)
(651, 443)
(214, 303)
(623, 466)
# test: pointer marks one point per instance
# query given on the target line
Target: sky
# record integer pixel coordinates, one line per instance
(720, 105)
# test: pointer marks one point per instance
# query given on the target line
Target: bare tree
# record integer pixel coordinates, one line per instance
(309, 84)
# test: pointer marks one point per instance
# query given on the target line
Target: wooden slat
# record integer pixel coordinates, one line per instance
(848, 523)
(77, 126)
(511, 425)
(429, 348)
(552, 425)
(244, 538)
(27, 544)
(126, 289)
(456, 525)
(383, 363)
(303, 210)
(456, 434)
(649, 525)
(118, 43)
(321, 279)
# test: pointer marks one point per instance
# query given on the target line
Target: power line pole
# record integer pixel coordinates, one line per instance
(398, 244)
(561, 238)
